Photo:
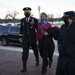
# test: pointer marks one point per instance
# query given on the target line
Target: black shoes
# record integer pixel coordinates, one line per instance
(50, 63)
(44, 68)
(43, 71)
(23, 70)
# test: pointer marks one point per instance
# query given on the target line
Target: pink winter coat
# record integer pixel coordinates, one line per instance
(39, 30)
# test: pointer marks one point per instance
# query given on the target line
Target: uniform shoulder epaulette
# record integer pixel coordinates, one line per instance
(20, 34)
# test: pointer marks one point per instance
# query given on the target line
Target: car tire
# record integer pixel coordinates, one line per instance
(4, 42)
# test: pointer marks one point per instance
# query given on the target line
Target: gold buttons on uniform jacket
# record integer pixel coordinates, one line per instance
(27, 25)
(27, 28)
(31, 27)
(27, 31)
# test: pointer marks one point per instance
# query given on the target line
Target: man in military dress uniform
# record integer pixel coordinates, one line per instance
(28, 37)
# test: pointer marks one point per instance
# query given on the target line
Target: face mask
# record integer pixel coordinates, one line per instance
(27, 14)
(42, 18)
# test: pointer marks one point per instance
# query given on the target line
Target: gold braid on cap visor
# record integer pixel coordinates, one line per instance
(27, 10)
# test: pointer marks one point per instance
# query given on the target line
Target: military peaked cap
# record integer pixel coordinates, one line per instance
(27, 9)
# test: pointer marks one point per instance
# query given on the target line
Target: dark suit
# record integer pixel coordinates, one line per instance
(28, 29)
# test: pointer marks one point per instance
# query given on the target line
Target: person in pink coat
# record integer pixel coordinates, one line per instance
(44, 42)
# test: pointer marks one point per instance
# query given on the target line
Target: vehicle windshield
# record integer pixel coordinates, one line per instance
(4, 29)
(14, 29)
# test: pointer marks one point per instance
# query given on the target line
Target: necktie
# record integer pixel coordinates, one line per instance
(27, 20)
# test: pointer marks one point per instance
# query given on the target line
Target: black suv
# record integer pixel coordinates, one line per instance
(9, 34)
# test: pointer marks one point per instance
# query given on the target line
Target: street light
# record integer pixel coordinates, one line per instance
(39, 11)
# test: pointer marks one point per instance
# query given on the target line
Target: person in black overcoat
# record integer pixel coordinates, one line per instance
(49, 46)
(28, 37)
(66, 46)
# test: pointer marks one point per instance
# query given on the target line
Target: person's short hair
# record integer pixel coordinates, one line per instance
(43, 13)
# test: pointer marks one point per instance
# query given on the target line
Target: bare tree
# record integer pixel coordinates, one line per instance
(58, 17)
(11, 15)
(50, 17)
(8, 15)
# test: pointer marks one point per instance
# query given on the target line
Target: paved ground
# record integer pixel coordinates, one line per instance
(11, 64)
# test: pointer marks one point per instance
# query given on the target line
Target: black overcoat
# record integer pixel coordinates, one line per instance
(66, 48)
(54, 32)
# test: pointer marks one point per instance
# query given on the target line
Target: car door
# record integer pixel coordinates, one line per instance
(14, 34)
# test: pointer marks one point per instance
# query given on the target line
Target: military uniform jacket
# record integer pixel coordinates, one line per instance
(28, 29)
